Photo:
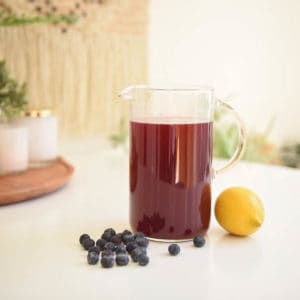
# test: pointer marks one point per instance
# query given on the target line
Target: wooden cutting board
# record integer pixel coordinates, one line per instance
(34, 182)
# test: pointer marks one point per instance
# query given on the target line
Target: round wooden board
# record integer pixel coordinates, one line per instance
(34, 182)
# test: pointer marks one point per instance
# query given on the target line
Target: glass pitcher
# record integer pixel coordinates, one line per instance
(171, 149)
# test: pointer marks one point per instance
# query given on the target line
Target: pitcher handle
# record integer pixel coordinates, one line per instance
(242, 140)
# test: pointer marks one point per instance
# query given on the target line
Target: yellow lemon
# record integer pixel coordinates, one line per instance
(239, 211)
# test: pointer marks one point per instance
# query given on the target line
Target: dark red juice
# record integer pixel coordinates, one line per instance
(170, 174)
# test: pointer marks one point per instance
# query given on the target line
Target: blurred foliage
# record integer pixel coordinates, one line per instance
(9, 18)
(120, 138)
(22, 20)
(290, 155)
(13, 96)
(226, 137)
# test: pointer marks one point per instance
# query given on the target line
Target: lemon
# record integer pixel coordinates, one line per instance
(239, 211)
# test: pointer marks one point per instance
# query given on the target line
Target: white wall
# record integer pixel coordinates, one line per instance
(249, 50)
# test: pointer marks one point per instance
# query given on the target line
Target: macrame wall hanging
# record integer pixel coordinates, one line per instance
(75, 56)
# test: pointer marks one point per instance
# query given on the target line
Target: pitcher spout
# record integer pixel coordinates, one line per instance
(127, 93)
(130, 92)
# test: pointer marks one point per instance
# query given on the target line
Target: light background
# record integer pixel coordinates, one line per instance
(248, 50)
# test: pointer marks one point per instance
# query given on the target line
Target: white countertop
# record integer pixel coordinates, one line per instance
(40, 256)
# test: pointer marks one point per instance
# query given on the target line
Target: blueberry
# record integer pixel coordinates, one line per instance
(116, 240)
(128, 238)
(139, 235)
(101, 243)
(107, 261)
(174, 249)
(126, 232)
(94, 249)
(83, 237)
(130, 246)
(122, 260)
(88, 243)
(142, 242)
(92, 258)
(143, 249)
(110, 246)
(121, 249)
(119, 235)
(199, 241)
(110, 230)
(106, 236)
(143, 260)
(107, 253)
(135, 253)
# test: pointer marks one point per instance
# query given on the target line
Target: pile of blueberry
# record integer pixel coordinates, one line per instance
(116, 248)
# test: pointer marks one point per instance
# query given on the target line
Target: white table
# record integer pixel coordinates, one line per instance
(40, 257)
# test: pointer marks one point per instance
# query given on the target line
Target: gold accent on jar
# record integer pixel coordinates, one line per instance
(37, 113)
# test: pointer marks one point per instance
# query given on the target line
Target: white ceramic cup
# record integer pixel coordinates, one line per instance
(42, 130)
(13, 148)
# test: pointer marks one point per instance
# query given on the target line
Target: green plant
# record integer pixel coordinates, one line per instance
(14, 20)
(13, 96)
(9, 18)
(290, 155)
(120, 137)
(226, 137)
